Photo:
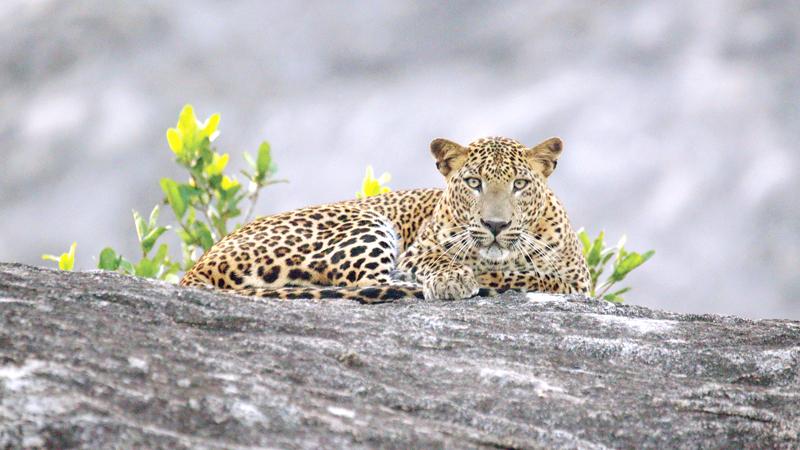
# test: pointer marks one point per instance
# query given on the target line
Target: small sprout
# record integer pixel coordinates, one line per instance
(264, 161)
(66, 261)
(109, 260)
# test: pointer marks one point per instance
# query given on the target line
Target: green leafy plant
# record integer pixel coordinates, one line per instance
(371, 186)
(598, 256)
(66, 261)
(158, 266)
(204, 205)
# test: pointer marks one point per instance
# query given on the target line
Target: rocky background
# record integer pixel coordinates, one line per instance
(680, 118)
(99, 360)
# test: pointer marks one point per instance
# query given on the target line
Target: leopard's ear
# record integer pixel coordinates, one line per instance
(545, 155)
(449, 155)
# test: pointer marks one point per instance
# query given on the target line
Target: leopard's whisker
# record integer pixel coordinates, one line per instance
(519, 245)
(542, 252)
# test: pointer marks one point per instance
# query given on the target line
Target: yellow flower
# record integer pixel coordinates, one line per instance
(175, 141)
(189, 131)
(210, 127)
(218, 164)
(229, 183)
(373, 186)
(66, 261)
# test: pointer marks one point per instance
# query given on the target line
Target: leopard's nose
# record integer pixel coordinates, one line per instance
(495, 226)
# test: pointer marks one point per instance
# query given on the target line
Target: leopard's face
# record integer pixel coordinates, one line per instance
(496, 189)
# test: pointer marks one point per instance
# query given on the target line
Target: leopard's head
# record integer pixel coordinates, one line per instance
(496, 192)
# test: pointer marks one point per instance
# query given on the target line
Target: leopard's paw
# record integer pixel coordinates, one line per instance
(451, 285)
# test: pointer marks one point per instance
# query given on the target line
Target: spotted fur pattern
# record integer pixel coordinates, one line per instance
(509, 232)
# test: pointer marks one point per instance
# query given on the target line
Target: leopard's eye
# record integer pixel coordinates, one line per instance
(473, 182)
(520, 184)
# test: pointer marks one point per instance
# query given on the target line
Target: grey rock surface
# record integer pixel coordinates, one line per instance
(101, 359)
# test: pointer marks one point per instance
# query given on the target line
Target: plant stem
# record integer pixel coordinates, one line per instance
(252, 198)
(606, 286)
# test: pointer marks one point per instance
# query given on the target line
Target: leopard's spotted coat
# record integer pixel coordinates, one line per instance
(507, 230)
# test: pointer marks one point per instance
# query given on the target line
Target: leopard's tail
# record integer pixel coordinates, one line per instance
(369, 295)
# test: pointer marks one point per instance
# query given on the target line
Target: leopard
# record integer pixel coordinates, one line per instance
(496, 226)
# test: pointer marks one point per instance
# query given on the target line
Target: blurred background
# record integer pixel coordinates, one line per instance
(681, 119)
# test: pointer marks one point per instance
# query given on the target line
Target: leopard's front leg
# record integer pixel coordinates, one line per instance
(529, 281)
(441, 277)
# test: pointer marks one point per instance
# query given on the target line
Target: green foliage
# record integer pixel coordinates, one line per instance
(66, 261)
(158, 266)
(371, 186)
(204, 205)
(598, 256)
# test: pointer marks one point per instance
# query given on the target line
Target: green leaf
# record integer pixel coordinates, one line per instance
(151, 238)
(141, 226)
(264, 160)
(621, 291)
(169, 272)
(171, 277)
(622, 241)
(125, 266)
(593, 287)
(631, 261)
(189, 194)
(203, 235)
(187, 251)
(597, 247)
(175, 198)
(205, 152)
(613, 298)
(585, 241)
(250, 161)
(621, 254)
(109, 260)
(151, 222)
(190, 217)
(220, 225)
(607, 255)
(186, 238)
(161, 255)
(146, 268)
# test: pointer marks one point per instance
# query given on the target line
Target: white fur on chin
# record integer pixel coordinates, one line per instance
(494, 253)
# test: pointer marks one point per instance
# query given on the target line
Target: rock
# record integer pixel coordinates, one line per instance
(99, 359)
